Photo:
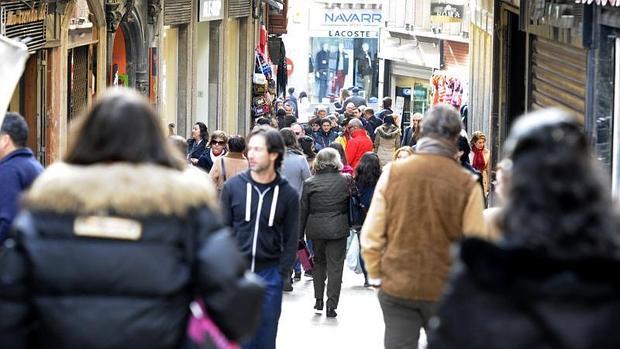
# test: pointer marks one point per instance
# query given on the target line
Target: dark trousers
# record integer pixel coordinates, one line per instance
(403, 319)
(328, 263)
(265, 337)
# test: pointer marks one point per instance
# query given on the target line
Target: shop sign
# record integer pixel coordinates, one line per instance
(346, 23)
(20, 19)
(446, 13)
(612, 3)
(210, 10)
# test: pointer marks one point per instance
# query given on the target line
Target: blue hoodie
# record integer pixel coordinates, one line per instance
(17, 171)
(264, 219)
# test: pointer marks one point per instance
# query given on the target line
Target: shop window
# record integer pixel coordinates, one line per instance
(214, 118)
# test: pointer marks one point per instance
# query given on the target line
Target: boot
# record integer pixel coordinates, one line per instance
(318, 306)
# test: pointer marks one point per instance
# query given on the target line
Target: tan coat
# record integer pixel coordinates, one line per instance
(387, 140)
(234, 163)
(421, 205)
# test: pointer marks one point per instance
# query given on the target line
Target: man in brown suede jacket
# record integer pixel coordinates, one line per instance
(420, 207)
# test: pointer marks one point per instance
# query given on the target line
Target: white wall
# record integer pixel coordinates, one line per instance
(202, 72)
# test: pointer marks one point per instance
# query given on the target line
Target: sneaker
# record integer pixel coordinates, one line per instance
(297, 276)
(288, 286)
(331, 312)
(318, 306)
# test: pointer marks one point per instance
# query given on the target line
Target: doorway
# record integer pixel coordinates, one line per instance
(514, 61)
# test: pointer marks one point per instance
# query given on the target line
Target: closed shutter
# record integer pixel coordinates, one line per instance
(177, 12)
(455, 55)
(239, 8)
(558, 77)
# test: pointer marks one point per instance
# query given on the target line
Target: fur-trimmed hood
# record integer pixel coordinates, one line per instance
(388, 132)
(121, 188)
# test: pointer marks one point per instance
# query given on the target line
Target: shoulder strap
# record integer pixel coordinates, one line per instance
(223, 169)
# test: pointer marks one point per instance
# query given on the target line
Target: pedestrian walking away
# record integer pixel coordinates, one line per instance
(359, 143)
(419, 207)
(552, 277)
(101, 255)
(263, 210)
(18, 168)
(324, 220)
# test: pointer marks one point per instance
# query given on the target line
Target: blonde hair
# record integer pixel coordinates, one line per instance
(407, 149)
(475, 137)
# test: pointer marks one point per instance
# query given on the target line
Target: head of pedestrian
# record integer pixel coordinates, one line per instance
(349, 108)
(327, 160)
(298, 130)
(13, 134)
(288, 108)
(218, 142)
(368, 113)
(478, 141)
(403, 153)
(388, 120)
(442, 123)
(321, 112)
(265, 151)
(290, 138)
(316, 125)
(326, 125)
(387, 103)
(236, 144)
(354, 124)
(463, 150)
(120, 117)
(416, 120)
(558, 198)
(179, 143)
(200, 132)
(356, 112)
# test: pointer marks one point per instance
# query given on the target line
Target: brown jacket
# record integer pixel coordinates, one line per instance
(234, 163)
(420, 206)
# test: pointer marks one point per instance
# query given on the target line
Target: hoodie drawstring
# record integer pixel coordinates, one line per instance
(248, 202)
(274, 203)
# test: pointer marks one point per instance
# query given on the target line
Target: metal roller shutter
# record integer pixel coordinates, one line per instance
(558, 76)
(239, 8)
(177, 12)
(455, 55)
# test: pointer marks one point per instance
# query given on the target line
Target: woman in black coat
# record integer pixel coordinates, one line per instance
(198, 143)
(552, 281)
(325, 220)
(116, 241)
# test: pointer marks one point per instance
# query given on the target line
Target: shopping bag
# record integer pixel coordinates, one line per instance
(353, 255)
(203, 333)
(303, 253)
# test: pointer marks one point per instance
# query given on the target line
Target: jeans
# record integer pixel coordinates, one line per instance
(265, 337)
(403, 319)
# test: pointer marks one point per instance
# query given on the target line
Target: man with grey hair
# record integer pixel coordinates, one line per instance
(421, 205)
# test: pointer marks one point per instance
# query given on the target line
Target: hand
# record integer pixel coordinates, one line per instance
(194, 161)
(374, 282)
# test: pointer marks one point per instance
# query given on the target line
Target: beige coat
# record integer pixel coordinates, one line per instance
(234, 163)
(387, 140)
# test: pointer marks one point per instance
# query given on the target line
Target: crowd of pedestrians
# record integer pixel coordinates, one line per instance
(121, 246)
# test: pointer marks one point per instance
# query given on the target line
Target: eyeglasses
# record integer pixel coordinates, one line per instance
(222, 143)
(297, 133)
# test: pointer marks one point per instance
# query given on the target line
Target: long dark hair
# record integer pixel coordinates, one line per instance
(121, 127)
(340, 149)
(204, 131)
(368, 170)
(306, 144)
(558, 200)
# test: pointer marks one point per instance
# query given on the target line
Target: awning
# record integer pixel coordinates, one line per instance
(614, 3)
(277, 4)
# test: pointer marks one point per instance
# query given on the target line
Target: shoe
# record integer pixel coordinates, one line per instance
(318, 306)
(308, 274)
(366, 284)
(288, 286)
(331, 312)
(297, 276)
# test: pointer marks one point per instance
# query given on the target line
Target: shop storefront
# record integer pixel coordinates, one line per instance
(19, 19)
(344, 46)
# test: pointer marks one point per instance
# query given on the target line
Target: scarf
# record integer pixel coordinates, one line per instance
(434, 146)
(479, 163)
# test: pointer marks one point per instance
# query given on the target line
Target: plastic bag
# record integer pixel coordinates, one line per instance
(353, 255)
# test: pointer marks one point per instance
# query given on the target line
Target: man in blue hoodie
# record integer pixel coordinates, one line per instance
(18, 168)
(263, 210)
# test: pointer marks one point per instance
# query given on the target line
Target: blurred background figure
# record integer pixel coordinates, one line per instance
(387, 139)
(217, 148)
(178, 143)
(198, 143)
(480, 158)
(402, 153)
(552, 277)
(231, 164)
(412, 132)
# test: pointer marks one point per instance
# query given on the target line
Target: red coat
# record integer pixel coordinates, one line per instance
(357, 146)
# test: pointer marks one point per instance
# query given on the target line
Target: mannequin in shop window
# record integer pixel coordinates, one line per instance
(341, 68)
(366, 68)
(322, 70)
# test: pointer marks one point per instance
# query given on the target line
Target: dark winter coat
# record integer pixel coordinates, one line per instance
(17, 171)
(371, 125)
(273, 240)
(322, 140)
(195, 150)
(205, 162)
(408, 137)
(325, 206)
(100, 258)
(509, 298)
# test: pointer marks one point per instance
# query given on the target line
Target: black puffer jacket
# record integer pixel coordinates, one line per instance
(101, 256)
(502, 298)
(325, 206)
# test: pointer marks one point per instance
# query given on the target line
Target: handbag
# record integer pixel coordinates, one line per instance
(303, 253)
(356, 208)
(203, 332)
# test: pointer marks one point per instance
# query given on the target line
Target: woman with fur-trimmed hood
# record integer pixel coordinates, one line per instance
(114, 243)
(387, 140)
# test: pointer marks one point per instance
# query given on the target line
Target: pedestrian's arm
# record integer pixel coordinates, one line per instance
(305, 170)
(351, 150)
(303, 210)
(226, 202)
(473, 220)
(215, 173)
(290, 234)
(374, 234)
(9, 196)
